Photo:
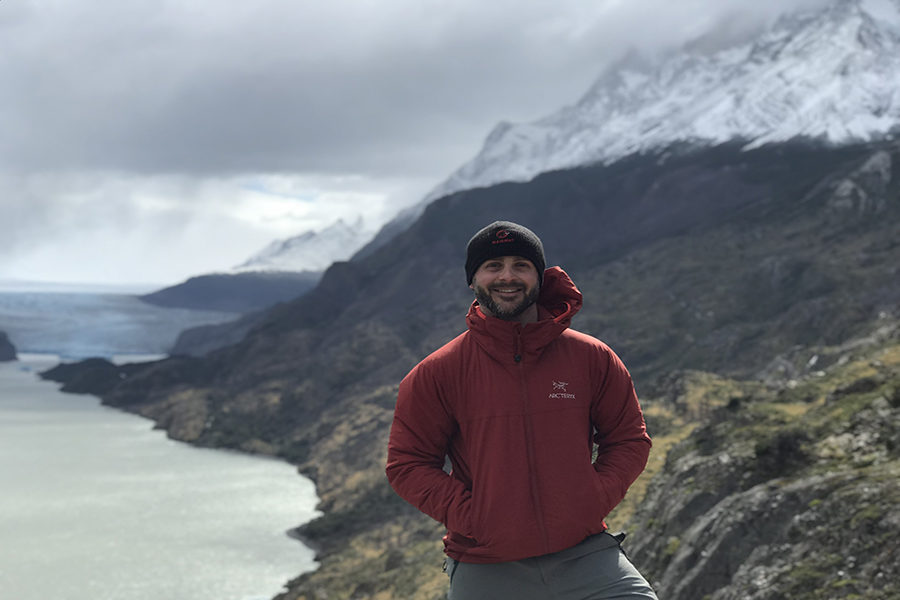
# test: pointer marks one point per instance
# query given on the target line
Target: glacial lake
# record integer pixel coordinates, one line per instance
(97, 505)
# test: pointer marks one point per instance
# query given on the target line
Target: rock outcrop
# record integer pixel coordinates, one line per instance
(787, 492)
(7, 350)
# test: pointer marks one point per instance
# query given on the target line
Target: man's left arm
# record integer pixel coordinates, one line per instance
(619, 431)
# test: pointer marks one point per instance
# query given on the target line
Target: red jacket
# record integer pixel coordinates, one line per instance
(516, 408)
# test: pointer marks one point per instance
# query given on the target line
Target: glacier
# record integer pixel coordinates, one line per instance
(76, 324)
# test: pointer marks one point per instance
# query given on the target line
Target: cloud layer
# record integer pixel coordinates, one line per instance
(128, 120)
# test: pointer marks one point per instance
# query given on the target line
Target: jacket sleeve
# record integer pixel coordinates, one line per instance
(619, 431)
(420, 435)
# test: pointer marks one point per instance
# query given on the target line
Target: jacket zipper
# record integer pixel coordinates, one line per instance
(529, 444)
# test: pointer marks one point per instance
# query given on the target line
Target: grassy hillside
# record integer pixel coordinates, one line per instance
(787, 491)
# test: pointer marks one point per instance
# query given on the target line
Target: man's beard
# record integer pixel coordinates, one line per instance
(484, 299)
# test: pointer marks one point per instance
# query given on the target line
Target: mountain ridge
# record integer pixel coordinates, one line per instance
(827, 74)
(242, 292)
(283, 270)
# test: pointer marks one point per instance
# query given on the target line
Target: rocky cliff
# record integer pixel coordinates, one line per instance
(789, 489)
(737, 263)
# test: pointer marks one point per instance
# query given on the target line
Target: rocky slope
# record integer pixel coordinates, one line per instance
(719, 259)
(200, 341)
(788, 490)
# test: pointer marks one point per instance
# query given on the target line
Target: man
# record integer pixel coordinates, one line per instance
(517, 403)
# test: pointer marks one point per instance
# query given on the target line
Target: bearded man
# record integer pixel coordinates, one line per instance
(520, 403)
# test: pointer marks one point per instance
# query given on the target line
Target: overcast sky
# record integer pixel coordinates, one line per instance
(151, 141)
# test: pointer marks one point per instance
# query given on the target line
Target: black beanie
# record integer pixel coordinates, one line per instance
(503, 238)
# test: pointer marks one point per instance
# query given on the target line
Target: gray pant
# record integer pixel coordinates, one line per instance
(595, 569)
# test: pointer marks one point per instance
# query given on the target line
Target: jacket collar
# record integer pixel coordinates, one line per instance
(558, 302)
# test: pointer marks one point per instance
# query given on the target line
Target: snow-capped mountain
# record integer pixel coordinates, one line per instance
(312, 250)
(831, 74)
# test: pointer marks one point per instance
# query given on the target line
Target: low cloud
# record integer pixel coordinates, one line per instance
(110, 104)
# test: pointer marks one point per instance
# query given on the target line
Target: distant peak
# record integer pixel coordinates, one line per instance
(311, 250)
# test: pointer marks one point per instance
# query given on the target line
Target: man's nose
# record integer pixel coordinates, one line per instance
(507, 274)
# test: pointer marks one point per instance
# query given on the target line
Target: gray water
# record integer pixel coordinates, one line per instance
(96, 505)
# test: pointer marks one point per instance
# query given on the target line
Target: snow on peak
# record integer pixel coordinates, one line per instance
(831, 74)
(311, 250)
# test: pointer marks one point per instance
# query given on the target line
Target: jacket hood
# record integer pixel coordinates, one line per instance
(558, 302)
(559, 297)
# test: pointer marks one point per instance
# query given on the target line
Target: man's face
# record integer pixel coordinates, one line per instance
(507, 288)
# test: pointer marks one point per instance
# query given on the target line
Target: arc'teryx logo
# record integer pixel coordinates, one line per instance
(559, 390)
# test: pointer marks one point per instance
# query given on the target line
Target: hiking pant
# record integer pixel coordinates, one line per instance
(595, 569)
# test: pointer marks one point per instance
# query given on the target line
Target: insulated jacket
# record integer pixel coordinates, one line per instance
(517, 409)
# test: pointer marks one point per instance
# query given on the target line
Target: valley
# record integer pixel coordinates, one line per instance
(716, 274)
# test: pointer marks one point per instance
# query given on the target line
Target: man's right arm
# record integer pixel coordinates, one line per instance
(420, 435)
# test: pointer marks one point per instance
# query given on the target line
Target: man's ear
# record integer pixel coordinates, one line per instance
(471, 286)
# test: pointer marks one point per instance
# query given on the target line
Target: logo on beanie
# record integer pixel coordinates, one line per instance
(503, 237)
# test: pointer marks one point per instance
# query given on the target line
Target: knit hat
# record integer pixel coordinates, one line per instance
(504, 238)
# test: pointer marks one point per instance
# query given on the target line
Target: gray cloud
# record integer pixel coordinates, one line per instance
(125, 91)
(202, 86)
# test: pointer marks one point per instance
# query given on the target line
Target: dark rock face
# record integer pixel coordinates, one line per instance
(238, 292)
(247, 293)
(200, 341)
(733, 262)
(7, 350)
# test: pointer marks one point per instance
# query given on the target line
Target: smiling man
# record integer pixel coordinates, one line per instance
(507, 288)
(519, 403)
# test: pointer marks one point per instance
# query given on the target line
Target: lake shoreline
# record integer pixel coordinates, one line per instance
(137, 359)
(31, 365)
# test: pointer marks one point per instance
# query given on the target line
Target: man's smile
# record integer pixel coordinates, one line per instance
(503, 292)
